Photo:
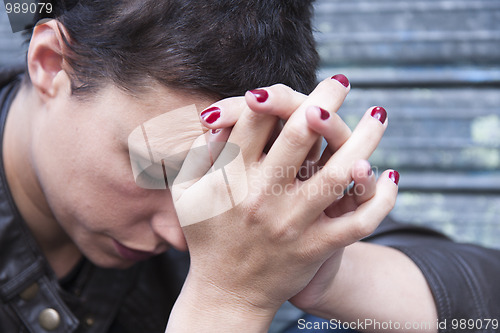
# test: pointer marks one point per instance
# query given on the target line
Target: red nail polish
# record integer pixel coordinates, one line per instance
(324, 114)
(342, 79)
(216, 131)
(370, 172)
(210, 115)
(260, 94)
(394, 176)
(206, 112)
(379, 113)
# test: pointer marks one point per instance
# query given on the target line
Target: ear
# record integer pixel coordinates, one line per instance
(45, 59)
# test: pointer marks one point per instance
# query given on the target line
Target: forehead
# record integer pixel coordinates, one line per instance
(165, 135)
(158, 109)
(164, 130)
(149, 127)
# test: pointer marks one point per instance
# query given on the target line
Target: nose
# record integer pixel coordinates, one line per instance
(168, 228)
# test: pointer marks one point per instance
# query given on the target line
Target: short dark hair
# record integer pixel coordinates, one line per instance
(218, 47)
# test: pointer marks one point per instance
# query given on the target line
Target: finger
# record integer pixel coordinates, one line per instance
(335, 176)
(254, 130)
(195, 163)
(274, 135)
(295, 141)
(281, 95)
(200, 158)
(345, 230)
(362, 190)
(216, 139)
(315, 152)
(333, 129)
(278, 100)
(251, 133)
(310, 165)
(213, 169)
(223, 113)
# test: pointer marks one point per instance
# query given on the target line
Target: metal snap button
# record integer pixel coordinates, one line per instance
(49, 319)
(89, 321)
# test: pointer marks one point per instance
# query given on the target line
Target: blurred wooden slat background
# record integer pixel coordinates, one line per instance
(435, 66)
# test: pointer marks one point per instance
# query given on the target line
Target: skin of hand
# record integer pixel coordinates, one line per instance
(282, 101)
(242, 257)
(340, 289)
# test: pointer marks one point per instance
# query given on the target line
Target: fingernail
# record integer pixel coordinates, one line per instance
(370, 172)
(210, 115)
(394, 176)
(260, 94)
(379, 113)
(342, 79)
(215, 131)
(324, 114)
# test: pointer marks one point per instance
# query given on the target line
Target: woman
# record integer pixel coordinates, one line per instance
(85, 239)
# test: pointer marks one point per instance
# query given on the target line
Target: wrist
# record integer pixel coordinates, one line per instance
(318, 293)
(205, 307)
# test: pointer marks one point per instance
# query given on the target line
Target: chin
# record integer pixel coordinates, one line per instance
(111, 262)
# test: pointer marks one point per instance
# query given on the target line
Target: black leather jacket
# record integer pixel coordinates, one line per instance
(93, 299)
(463, 278)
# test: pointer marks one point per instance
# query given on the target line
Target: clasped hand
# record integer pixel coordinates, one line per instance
(281, 236)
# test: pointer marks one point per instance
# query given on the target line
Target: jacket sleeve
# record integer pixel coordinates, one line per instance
(463, 278)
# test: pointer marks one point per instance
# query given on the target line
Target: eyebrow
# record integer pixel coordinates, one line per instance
(146, 141)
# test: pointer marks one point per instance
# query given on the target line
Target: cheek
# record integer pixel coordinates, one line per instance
(109, 197)
(89, 190)
(86, 174)
(120, 193)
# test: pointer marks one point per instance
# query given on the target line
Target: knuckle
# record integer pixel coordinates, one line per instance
(363, 227)
(280, 86)
(254, 203)
(295, 135)
(284, 232)
(287, 94)
(278, 229)
(252, 116)
(235, 104)
(283, 90)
